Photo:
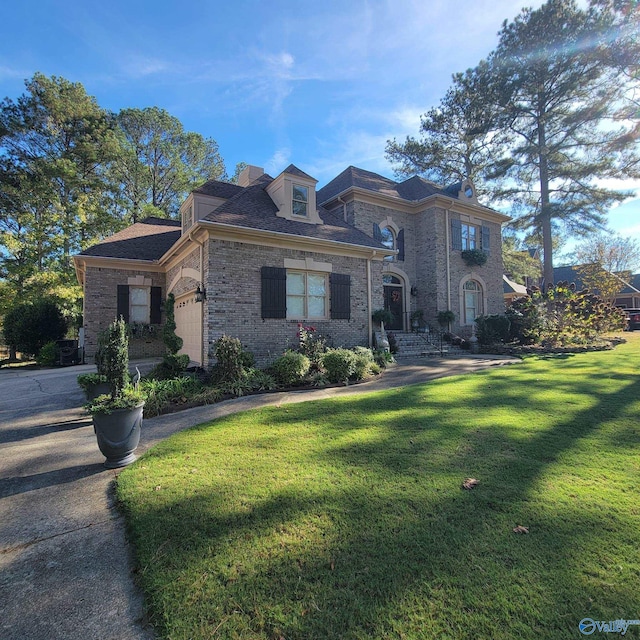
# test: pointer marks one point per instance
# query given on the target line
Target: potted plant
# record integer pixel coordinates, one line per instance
(445, 318)
(95, 384)
(117, 415)
(382, 317)
(417, 319)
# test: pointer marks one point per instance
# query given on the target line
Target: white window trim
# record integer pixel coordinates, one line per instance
(483, 297)
(306, 315)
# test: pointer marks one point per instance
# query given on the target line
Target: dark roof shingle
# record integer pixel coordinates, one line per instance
(149, 239)
(253, 208)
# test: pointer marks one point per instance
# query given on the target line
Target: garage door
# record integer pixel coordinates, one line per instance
(188, 314)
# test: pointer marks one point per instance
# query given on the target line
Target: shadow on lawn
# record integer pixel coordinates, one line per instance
(385, 555)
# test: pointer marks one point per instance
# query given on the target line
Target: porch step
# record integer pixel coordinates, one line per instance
(422, 344)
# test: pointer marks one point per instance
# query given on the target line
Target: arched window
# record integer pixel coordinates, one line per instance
(388, 240)
(472, 301)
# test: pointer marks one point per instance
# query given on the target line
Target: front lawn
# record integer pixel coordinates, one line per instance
(347, 519)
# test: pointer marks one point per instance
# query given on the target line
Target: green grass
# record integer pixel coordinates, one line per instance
(346, 518)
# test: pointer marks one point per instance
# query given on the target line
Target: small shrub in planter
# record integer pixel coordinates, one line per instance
(382, 315)
(474, 257)
(290, 368)
(117, 416)
(339, 364)
(445, 318)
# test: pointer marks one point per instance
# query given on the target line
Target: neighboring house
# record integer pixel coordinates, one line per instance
(253, 260)
(627, 298)
(512, 290)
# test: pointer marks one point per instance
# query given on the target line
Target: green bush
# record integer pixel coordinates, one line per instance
(290, 368)
(172, 341)
(231, 359)
(114, 356)
(363, 363)
(562, 316)
(382, 358)
(339, 364)
(48, 355)
(29, 326)
(162, 393)
(492, 329)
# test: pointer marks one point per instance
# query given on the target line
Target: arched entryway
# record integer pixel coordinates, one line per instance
(394, 300)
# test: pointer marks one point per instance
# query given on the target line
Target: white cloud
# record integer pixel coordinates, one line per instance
(278, 161)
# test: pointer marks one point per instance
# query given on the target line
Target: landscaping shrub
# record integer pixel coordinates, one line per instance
(382, 358)
(362, 363)
(48, 355)
(162, 393)
(231, 359)
(290, 368)
(29, 326)
(339, 364)
(492, 329)
(310, 343)
(562, 316)
(172, 341)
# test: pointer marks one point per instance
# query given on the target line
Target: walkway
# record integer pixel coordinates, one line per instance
(65, 568)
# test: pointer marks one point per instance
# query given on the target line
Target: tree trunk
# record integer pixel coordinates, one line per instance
(545, 209)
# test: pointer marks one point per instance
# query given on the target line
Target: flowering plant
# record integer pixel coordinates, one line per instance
(310, 343)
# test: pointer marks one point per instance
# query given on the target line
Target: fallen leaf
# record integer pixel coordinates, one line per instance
(470, 483)
(157, 488)
(520, 529)
(333, 565)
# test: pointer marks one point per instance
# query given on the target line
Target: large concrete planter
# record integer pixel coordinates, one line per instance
(118, 435)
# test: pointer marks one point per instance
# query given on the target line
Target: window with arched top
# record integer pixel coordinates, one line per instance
(388, 240)
(472, 301)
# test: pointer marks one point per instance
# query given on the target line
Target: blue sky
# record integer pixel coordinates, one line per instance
(319, 84)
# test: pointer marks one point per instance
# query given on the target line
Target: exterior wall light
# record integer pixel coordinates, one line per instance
(201, 293)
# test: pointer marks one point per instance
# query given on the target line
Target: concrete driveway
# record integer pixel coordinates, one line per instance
(65, 569)
(64, 564)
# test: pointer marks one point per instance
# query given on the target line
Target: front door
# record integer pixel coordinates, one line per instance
(393, 302)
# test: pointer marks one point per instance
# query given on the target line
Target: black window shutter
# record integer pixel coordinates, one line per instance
(486, 240)
(377, 233)
(123, 302)
(156, 305)
(274, 292)
(340, 296)
(400, 247)
(456, 235)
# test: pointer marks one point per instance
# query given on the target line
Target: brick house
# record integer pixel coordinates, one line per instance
(253, 259)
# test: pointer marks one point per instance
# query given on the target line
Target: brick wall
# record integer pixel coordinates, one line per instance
(234, 288)
(425, 262)
(101, 305)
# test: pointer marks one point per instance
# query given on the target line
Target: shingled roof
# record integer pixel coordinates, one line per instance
(253, 208)
(146, 240)
(413, 189)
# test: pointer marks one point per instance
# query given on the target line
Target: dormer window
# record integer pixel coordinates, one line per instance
(300, 201)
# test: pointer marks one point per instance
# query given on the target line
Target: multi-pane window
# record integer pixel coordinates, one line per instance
(300, 200)
(139, 304)
(388, 239)
(306, 295)
(472, 301)
(470, 237)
